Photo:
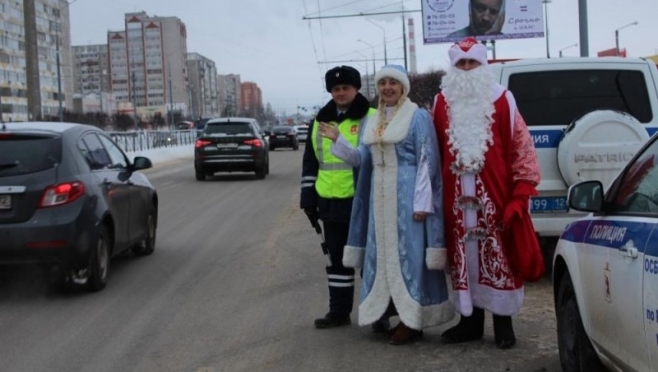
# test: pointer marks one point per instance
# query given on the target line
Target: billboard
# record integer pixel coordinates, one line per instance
(447, 21)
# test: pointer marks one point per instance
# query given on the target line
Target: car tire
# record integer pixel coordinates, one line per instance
(147, 246)
(99, 265)
(296, 147)
(261, 172)
(576, 351)
(200, 176)
(272, 148)
(267, 166)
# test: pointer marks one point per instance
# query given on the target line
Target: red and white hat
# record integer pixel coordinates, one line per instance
(468, 48)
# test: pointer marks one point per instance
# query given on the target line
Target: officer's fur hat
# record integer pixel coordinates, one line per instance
(342, 75)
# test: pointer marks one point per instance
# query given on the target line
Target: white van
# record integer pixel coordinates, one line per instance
(588, 117)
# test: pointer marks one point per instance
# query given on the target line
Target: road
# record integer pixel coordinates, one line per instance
(234, 285)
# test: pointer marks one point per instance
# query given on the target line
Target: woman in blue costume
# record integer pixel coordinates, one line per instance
(396, 228)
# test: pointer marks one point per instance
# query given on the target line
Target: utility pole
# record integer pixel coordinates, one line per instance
(584, 37)
(59, 79)
(548, 52)
(171, 101)
(134, 99)
(404, 36)
(32, 60)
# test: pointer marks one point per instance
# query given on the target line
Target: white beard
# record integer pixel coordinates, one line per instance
(469, 95)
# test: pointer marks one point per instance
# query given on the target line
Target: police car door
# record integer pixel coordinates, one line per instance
(623, 233)
(651, 298)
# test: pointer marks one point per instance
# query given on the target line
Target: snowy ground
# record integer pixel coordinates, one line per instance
(162, 155)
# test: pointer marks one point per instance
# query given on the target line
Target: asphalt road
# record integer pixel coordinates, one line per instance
(234, 285)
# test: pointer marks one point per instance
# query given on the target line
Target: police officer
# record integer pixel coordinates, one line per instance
(328, 184)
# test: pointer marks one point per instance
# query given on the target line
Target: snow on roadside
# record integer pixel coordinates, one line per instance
(162, 155)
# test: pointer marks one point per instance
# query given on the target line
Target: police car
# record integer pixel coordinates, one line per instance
(605, 271)
(588, 117)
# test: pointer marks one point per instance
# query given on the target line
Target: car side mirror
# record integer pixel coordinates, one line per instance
(586, 196)
(142, 162)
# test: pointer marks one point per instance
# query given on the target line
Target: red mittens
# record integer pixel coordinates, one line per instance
(519, 202)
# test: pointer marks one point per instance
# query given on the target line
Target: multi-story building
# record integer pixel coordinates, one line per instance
(202, 78)
(229, 92)
(52, 34)
(91, 76)
(251, 98)
(148, 64)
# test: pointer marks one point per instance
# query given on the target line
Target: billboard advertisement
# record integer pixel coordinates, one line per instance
(447, 21)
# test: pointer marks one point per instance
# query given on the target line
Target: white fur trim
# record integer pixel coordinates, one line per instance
(397, 129)
(353, 256)
(389, 282)
(436, 258)
(394, 74)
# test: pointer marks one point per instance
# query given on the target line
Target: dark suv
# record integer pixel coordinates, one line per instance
(70, 199)
(283, 136)
(231, 145)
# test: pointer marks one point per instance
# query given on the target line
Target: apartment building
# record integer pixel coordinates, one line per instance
(229, 92)
(52, 25)
(251, 98)
(202, 78)
(148, 64)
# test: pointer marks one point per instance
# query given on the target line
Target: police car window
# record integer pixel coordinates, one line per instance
(638, 190)
(559, 97)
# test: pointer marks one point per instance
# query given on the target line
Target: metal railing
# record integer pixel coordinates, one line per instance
(148, 140)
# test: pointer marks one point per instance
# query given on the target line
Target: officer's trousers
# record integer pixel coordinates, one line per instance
(340, 278)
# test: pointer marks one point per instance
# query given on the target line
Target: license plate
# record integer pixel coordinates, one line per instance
(5, 201)
(548, 204)
(227, 145)
(280, 136)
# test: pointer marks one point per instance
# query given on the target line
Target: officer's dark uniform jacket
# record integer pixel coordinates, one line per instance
(333, 211)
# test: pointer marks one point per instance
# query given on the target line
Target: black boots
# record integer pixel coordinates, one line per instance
(504, 332)
(470, 328)
(332, 320)
(341, 298)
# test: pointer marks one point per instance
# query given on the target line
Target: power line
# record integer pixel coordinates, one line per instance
(310, 30)
(336, 7)
(324, 52)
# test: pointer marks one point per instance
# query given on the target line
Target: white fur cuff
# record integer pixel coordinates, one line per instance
(436, 258)
(353, 256)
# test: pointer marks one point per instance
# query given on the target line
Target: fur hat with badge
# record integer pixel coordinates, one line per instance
(342, 75)
(396, 72)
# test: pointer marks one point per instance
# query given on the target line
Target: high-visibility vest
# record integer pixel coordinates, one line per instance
(335, 177)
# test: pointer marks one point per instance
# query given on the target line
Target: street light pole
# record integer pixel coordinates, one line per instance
(373, 53)
(59, 77)
(567, 47)
(367, 79)
(548, 52)
(617, 36)
(384, 30)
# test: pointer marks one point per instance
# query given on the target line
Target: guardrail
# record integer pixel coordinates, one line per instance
(147, 140)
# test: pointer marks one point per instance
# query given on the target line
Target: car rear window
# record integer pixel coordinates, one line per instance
(229, 129)
(559, 97)
(28, 153)
(282, 129)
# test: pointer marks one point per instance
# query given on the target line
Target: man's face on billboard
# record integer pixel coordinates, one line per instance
(484, 13)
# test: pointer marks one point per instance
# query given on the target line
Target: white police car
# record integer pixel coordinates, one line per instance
(605, 272)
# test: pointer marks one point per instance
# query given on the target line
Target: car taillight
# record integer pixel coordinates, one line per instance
(63, 193)
(201, 143)
(254, 142)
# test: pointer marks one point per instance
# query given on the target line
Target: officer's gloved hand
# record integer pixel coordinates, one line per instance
(313, 215)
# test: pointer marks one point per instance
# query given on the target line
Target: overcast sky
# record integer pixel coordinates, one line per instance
(268, 42)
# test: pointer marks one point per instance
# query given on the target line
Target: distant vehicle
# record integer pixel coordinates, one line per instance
(283, 136)
(231, 145)
(70, 200)
(302, 132)
(185, 125)
(200, 124)
(605, 271)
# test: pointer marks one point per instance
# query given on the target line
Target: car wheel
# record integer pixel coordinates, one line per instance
(261, 172)
(272, 148)
(147, 246)
(200, 176)
(576, 351)
(295, 147)
(100, 262)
